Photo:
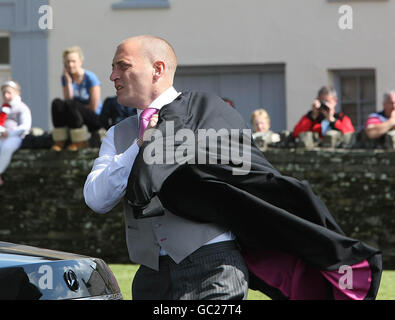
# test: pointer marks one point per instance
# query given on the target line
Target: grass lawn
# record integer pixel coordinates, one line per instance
(125, 273)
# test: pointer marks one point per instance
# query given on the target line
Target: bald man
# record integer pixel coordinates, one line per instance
(179, 258)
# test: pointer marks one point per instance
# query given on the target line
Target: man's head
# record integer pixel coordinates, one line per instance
(328, 95)
(143, 68)
(389, 102)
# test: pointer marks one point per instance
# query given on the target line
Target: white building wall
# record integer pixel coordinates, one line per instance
(303, 34)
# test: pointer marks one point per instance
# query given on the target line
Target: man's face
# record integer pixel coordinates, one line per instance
(329, 100)
(132, 75)
(389, 105)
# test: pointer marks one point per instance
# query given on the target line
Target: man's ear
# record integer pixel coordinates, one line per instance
(159, 69)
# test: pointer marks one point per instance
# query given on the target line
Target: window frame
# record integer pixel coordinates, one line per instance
(6, 68)
(141, 4)
(358, 74)
(351, 1)
(6, 35)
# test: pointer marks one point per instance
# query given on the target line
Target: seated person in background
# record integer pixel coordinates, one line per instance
(260, 122)
(113, 112)
(16, 126)
(381, 122)
(78, 114)
(322, 117)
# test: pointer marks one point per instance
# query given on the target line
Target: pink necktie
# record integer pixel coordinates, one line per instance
(145, 118)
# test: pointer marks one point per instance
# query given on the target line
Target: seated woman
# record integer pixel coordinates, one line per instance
(16, 126)
(78, 114)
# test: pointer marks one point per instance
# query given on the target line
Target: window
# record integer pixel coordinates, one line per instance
(141, 4)
(357, 94)
(5, 69)
(4, 50)
(248, 86)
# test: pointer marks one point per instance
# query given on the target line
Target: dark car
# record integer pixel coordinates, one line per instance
(30, 273)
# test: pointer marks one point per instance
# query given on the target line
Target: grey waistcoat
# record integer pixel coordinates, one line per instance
(144, 237)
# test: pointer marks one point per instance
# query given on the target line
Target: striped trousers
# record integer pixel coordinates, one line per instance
(213, 272)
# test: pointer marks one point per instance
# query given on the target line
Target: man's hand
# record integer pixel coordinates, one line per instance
(315, 108)
(151, 124)
(329, 114)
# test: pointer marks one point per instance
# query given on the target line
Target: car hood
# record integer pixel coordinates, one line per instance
(33, 273)
(12, 254)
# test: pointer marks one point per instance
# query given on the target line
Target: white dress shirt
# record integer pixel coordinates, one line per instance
(106, 184)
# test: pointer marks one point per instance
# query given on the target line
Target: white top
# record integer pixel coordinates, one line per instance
(106, 184)
(19, 120)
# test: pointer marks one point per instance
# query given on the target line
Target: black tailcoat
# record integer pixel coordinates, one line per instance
(263, 208)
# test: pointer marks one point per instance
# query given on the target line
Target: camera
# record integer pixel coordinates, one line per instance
(323, 106)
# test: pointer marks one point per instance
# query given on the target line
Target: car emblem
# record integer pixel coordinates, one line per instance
(71, 280)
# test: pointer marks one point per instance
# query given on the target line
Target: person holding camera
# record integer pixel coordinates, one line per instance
(323, 117)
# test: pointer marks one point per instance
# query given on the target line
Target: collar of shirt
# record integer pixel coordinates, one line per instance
(165, 98)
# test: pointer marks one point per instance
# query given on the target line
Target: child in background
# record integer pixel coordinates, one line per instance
(260, 122)
(17, 125)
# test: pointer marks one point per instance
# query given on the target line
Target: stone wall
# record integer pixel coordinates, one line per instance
(42, 200)
(42, 205)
